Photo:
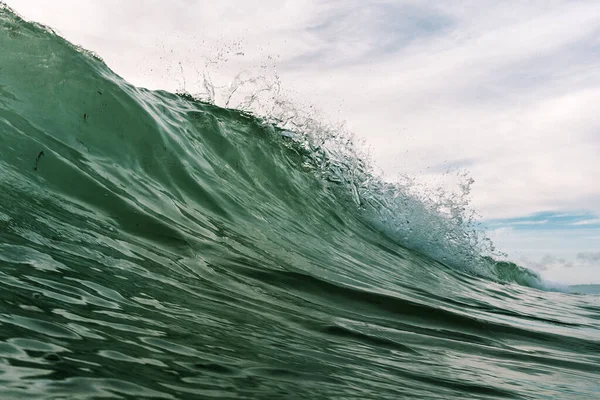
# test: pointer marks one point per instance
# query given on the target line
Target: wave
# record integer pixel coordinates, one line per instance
(100, 108)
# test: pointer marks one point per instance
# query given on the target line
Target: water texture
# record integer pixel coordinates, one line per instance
(154, 246)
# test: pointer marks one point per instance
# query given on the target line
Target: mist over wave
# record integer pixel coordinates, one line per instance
(156, 245)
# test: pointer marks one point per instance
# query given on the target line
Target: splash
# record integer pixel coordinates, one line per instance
(435, 221)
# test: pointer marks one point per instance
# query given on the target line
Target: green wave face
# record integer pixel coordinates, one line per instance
(153, 246)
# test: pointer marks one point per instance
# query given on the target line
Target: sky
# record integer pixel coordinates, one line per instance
(506, 90)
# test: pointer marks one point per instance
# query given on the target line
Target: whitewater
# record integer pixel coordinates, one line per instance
(153, 245)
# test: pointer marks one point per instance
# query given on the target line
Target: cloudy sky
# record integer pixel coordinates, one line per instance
(506, 90)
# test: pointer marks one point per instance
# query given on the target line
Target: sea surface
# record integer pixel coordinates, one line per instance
(156, 246)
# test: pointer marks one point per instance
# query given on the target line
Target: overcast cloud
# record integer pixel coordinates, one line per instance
(507, 90)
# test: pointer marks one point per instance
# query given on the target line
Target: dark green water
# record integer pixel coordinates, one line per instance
(152, 246)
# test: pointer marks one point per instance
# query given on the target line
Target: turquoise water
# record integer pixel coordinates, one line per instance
(154, 246)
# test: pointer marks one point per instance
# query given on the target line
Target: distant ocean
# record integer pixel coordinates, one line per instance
(156, 246)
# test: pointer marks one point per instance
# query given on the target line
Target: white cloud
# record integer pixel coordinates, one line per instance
(542, 222)
(593, 221)
(589, 257)
(546, 263)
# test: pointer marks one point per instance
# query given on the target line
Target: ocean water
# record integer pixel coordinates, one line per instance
(155, 246)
